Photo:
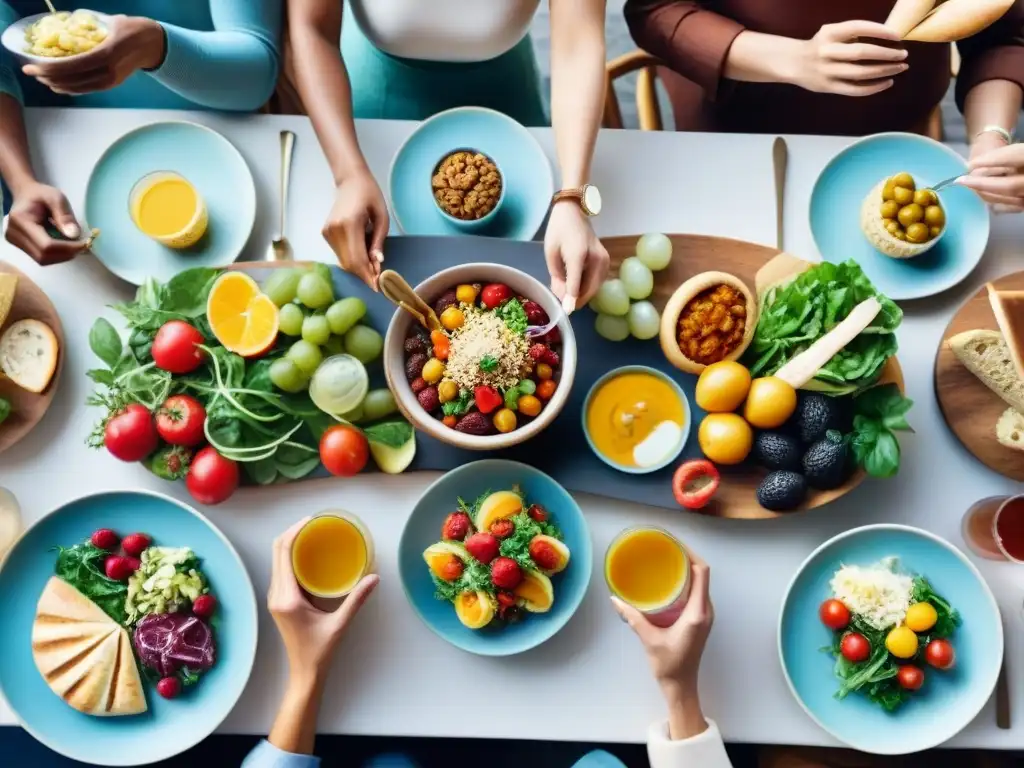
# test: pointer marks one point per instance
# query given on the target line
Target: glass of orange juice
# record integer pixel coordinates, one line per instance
(331, 553)
(649, 569)
(166, 207)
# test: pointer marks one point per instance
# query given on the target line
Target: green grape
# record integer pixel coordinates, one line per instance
(527, 386)
(334, 346)
(315, 329)
(289, 320)
(643, 319)
(655, 251)
(378, 403)
(363, 343)
(638, 279)
(306, 356)
(282, 285)
(611, 327)
(612, 298)
(354, 416)
(345, 313)
(287, 376)
(314, 291)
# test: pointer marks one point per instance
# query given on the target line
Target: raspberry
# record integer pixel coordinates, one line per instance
(538, 352)
(106, 539)
(418, 385)
(448, 299)
(204, 606)
(119, 568)
(537, 512)
(456, 526)
(535, 314)
(415, 343)
(554, 336)
(503, 528)
(551, 357)
(134, 544)
(505, 573)
(482, 546)
(429, 399)
(169, 687)
(414, 365)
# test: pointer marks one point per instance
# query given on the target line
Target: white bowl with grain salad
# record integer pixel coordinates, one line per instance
(432, 289)
(82, 30)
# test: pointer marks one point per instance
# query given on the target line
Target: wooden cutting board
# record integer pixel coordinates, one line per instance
(969, 407)
(28, 408)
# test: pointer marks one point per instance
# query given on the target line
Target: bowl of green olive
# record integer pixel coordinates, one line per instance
(902, 218)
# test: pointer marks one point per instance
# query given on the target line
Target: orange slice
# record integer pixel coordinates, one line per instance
(242, 318)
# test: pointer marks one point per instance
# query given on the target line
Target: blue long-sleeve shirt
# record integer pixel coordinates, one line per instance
(221, 54)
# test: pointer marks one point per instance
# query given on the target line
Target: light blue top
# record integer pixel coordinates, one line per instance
(221, 54)
(266, 755)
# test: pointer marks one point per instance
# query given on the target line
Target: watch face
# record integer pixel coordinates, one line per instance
(592, 199)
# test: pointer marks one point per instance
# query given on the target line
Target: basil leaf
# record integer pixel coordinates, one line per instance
(186, 293)
(391, 433)
(883, 460)
(105, 342)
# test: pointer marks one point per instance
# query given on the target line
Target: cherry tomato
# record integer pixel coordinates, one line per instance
(940, 654)
(344, 450)
(211, 478)
(174, 348)
(910, 677)
(495, 294)
(131, 435)
(180, 421)
(834, 615)
(694, 483)
(855, 647)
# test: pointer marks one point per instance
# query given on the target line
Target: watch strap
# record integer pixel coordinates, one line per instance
(573, 193)
(1007, 136)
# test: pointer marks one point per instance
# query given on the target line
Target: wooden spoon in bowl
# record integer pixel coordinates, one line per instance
(400, 293)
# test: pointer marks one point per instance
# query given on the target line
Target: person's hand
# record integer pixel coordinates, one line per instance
(309, 634)
(133, 43)
(576, 259)
(357, 226)
(34, 207)
(997, 173)
(836, 61)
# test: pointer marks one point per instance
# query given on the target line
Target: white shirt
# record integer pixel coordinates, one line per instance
(705, 750)
(445, 30)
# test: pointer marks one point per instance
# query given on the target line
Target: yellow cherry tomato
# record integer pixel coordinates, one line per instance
(529, 405)
(505, 420)
(769, 403)
(921, 617)
(452, 318)
(447, 390)
(433, 370)
(544, 371)
(725, 438)
(466, 294)
(722, 387)
(901, 642)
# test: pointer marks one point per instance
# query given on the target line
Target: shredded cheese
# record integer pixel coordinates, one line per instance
(877, 593)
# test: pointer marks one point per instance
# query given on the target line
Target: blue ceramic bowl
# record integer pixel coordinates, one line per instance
(851, 175)
(210, 163)
(686, 416)
(472, 225)
(528, 182)
(169, 727)
(949, 700)
(423, 529)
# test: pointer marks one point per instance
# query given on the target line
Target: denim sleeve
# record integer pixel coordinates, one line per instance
(266, 755)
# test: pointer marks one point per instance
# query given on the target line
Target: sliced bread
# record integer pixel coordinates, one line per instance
(1010, 429)
(986, 355)
(28, 354)
(8, 287)
(1008, 307)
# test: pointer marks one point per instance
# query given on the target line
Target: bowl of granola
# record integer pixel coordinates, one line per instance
(481, 381)
(468, 188)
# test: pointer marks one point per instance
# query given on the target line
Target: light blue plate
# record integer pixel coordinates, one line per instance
(423, 528)
(169, 727)
(949, 700)
(529, 183)
(851, 175)
(204, 157)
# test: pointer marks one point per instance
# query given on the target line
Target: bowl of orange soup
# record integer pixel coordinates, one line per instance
(636, 419)
(648, 568)
(167, 208)
(331, 553)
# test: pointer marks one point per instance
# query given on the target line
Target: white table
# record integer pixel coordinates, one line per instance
(589, 683)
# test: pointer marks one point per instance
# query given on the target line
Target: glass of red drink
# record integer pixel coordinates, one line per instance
(994, 528)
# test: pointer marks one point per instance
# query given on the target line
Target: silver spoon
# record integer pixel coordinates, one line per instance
(946, 182)
(280, 249)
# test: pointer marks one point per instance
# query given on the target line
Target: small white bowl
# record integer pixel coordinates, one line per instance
(431, 290)
(13, 38)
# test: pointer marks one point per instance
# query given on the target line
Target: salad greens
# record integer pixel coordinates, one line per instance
(5, 409)
(796, 314)
(167, 581)
(81, 566)
(514, 315)
(879, 412)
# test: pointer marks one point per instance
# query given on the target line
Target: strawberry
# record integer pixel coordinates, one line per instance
(134, 544)
(538, 352)
(119, 568)
(505, 573)
(551, 357)
(204, 606)
(544, 555)
(494, 295)
(168, 687)
(106, 539)
(538, 513)
(456, 526)
(487, 399)
(482, 546)
(535, 314)
(503, 528)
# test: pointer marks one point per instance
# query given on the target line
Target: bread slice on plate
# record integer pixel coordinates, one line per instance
(986, 355)
(85, 656)
(8, 287)
(1010, 429)
(1008, 307)
(28, 354)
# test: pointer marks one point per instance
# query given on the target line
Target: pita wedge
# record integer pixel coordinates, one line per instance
(1008, 307)
(955, 20)
(84, 656)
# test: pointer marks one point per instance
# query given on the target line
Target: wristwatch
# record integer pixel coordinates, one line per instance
(588, 196)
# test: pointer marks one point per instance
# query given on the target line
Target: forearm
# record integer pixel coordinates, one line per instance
(685, 718)
(758, 58)
(992, 102)
(294, 727)
(323, 84)
(577, 84)
(15, 160)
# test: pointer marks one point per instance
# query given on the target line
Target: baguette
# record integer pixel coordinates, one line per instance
(985, 354)
(28, 354)
(1008, 307)
(907, 14)
(1010, 429)
(8, 287)
(956, 19)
